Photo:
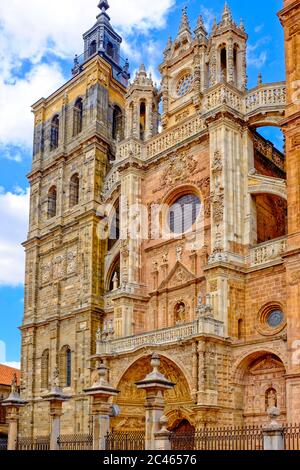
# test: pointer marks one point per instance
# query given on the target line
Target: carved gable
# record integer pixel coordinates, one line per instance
(179, 276)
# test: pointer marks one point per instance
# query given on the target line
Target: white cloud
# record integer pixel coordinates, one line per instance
(30, 30)
(259, 28)
(255, 57)
(14, 208)
(14, 365)
(16, 99)
(34, 27)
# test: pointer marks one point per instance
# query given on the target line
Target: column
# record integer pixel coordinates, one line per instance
(155, 385)
(101, 392)
(55, 398)
(273, 432)
(13, 405)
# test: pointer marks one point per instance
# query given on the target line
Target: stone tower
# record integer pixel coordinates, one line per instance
(74, 140)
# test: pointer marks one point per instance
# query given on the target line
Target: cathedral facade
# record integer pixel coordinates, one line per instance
(162, 221)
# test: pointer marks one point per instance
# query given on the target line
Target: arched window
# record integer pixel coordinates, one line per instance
(117, 125)
(223, 63)
(74, 191)
(77, 117)
(65, 366)
(93, 48)
(52, 202)
(45, 370)
(54, 137)
(142, 120)
(110, 49)
(183, 213)
(114, 229)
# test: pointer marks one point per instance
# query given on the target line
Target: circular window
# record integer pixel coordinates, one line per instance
(183, 213)
(275, 318)
(271, 319)
(184, 85)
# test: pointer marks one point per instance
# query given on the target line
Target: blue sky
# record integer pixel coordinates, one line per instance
(36, 54)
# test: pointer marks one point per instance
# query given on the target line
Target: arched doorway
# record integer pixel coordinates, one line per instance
(260, 384)
(131, 401)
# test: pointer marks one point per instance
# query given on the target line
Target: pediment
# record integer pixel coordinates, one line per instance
(269, 363)
(178, 276)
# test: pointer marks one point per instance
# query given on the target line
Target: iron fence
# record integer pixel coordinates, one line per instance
(37, 443)
(75, 442)
(3, 444)
(134, 440)
(291, 434)
(230, 438)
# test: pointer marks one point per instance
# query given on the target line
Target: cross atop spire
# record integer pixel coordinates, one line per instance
(184, 25)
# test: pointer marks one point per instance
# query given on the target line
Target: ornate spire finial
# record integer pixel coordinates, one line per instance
(200, 31)
(259, 79)
(103, 5)
(242, 24)
(184, 25)
(168, 47)
(227, 16)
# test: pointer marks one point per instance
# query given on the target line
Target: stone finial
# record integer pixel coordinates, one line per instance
(164, 423)
(227, 15)
(103, 370)
(200, 30)
(242, 25)
(168, 47)
(214, 26)
(184, 24)
(273, 413)
(55, 378)
(259, 79)
(14, 385)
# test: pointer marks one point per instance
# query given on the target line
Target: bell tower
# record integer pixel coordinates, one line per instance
(102, 39)
(142, 103)
(227, 52)
(184, 72)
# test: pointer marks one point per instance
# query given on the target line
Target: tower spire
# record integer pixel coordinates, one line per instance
(103, 6)
(227, 15)
(184, 25)
(200, 30)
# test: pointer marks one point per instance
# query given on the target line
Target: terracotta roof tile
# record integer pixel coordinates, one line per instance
(7, 373)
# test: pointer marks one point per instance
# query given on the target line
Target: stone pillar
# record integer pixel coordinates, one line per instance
(290, 17)
(55, 398)
(101, 392)
(155, 384)
(13, 405)
(162, 437)
(273, 432)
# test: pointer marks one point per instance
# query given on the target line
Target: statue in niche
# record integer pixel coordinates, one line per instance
(180, 312)
(271, 398)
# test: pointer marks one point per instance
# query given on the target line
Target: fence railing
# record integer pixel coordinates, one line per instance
(37, 443)
(3, 444)
(134, 440)
(291, 436)
(230, 438)
(75, 442)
